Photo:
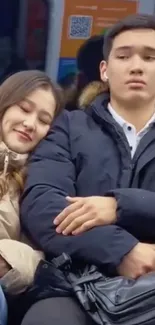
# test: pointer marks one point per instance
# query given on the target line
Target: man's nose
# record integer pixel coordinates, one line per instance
(136, 65)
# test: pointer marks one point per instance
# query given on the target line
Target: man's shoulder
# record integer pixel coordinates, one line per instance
(68, 120)
(78, 114)
(67, 127)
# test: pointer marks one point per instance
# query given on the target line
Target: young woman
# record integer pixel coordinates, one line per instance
(29, 102)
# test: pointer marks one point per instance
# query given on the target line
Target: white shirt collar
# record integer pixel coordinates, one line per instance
(123, 123)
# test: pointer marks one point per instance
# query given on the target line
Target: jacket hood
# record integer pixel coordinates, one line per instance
(90, 92)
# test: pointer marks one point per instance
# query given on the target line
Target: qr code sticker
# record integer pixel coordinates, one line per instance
(80, 27)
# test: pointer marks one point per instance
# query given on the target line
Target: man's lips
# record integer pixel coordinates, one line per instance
(136, 82)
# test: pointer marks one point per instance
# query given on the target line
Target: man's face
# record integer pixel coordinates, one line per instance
(131, 66)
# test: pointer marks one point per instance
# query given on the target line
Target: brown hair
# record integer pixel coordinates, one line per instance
(14, 174)
(13, 90)
(17, 181)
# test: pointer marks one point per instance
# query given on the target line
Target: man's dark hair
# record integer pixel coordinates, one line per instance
(89, 57)
(136, 21)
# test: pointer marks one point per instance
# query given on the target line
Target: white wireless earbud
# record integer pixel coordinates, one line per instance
(105, 76)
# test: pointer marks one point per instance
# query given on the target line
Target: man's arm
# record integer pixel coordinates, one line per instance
(136, 211)
(51, 177)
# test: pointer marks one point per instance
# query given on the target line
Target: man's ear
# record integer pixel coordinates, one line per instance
(103, 70)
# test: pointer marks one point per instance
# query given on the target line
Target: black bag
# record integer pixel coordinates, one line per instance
(108, 301)
(117, 300)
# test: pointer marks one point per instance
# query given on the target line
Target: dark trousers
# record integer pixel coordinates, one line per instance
(56, 311)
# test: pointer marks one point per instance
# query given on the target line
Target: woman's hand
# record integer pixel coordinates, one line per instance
(85, 213)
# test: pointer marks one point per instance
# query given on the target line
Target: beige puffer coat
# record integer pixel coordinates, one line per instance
(22, 258)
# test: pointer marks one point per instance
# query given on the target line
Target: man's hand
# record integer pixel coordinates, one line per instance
(85, 213)
(4, 267)
(139, 261)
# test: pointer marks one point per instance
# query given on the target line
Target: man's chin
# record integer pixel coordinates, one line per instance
(137, 98)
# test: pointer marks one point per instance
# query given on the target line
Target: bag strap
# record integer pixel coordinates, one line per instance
(62, 262)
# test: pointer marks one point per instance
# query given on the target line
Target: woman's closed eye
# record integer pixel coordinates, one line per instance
(45, 120)
(25, 108)
(44, 117)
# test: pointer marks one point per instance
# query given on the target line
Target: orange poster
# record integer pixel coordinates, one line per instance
(84, 18)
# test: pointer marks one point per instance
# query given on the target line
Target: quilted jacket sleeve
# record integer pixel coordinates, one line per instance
(136, 212)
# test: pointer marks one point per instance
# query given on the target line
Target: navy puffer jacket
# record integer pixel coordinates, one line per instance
(86, 153)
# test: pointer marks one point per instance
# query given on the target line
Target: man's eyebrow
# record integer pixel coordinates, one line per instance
(147, 48)
(123, 48)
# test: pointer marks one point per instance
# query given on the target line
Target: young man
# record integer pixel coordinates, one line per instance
(91, 182)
